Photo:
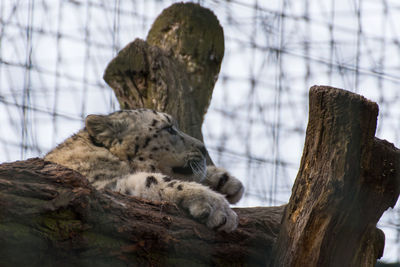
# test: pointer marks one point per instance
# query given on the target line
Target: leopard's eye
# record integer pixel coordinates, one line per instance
(170, 129)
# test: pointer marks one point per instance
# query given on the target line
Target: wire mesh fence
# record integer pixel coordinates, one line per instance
(53, 54)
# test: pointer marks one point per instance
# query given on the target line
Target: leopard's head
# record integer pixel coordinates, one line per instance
(149, 141)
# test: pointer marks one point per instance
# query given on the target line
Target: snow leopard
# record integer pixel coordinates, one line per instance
(142, 153)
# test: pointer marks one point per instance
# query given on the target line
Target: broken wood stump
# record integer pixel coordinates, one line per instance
(347, 179)
(175, 70)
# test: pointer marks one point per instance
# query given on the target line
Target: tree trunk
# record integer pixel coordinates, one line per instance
(347, 179)
(175, 70)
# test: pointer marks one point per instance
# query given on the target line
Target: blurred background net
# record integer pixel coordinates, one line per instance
(53, 54)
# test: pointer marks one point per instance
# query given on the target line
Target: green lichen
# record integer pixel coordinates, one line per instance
(103, 241)
(15, 232)
(59, 225)
(17, 239)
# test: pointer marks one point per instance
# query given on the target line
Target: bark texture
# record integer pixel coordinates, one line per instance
(51, 216)
(175, 70)
(347, 179)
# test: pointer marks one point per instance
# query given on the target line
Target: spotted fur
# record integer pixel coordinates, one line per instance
(142, 153)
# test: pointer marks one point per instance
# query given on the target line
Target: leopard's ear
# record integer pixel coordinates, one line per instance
(103, 130)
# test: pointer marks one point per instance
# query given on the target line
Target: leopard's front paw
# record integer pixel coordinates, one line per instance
(212, 209)
(221, 181)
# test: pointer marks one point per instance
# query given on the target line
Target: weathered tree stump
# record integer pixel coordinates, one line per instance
(175, 70)
(347, 179)
(52, 216)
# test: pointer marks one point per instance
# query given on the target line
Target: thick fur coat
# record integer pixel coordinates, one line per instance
(143, 153)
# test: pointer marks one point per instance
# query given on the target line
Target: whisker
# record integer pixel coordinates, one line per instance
(198, 169)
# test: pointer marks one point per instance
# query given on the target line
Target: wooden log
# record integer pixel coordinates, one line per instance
(51, 216)
(347, 179)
